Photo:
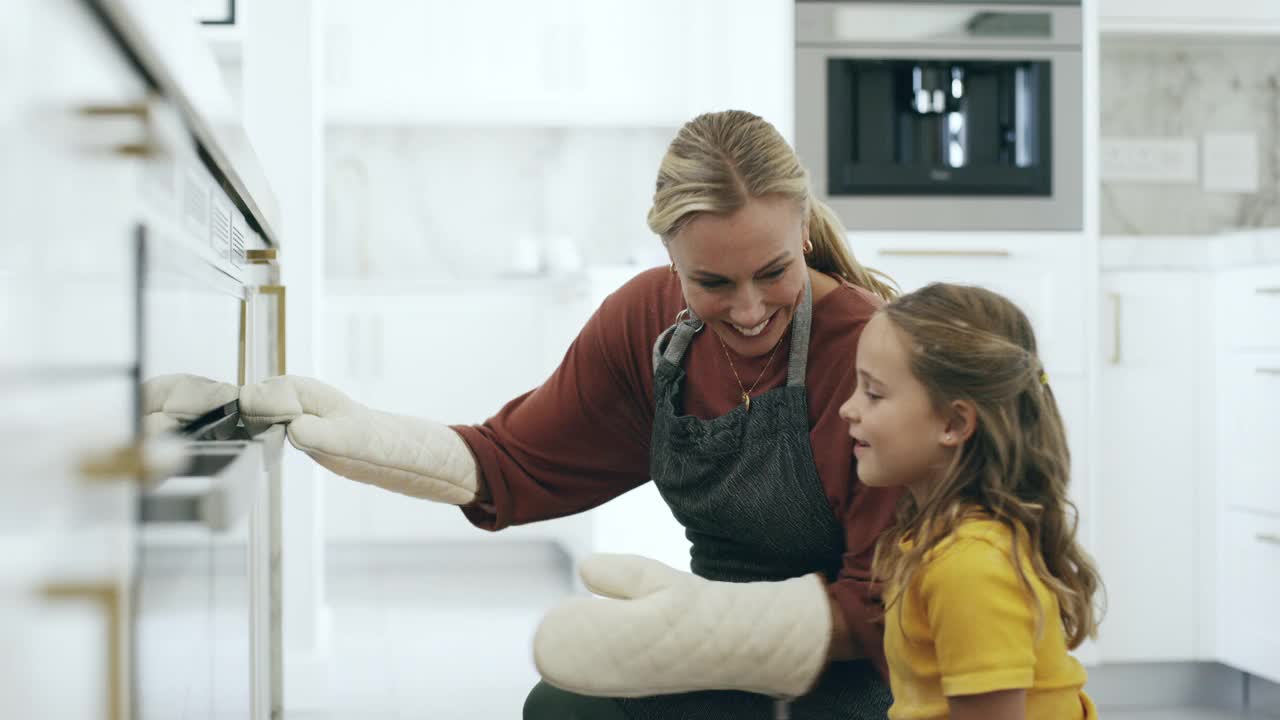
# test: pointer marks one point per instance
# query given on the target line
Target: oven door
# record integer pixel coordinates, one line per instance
(203, 600)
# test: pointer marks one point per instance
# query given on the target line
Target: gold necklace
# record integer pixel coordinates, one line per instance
(746, 394)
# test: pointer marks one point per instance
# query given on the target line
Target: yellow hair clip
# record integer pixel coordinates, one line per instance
(1044, 378)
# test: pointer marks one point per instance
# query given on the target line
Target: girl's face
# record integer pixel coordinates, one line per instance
(899, 438)
(743, 273)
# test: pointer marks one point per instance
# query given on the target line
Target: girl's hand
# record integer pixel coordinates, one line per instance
(999, 705)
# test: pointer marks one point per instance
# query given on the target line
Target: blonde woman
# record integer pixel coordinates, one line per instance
(987, 588)
(718, 378)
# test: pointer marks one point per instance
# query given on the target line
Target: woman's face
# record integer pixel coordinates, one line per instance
(742, 274)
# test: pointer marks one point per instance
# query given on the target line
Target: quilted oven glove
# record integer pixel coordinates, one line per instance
(170, 400)
(659, 631)
(403, 454)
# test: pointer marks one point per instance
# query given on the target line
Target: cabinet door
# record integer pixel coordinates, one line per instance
(66, 549)
(1249, 427)
(1251, 593)
(1043, 274)
(1148, 474)
(71, 143)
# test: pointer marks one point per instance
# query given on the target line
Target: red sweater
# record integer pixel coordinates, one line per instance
(582, 437)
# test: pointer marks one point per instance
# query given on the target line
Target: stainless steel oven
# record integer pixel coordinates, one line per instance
(942, 115)
(206, 603)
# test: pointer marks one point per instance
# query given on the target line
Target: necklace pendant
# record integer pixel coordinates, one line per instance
(746, 401)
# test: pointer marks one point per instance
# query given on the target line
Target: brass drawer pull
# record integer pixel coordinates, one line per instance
(107, 596)
(267, 256)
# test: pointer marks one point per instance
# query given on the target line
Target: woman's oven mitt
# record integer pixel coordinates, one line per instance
(658, 631)
(168, 401)
(404, 454)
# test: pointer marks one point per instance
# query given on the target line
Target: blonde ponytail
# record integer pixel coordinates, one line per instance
(831, 252)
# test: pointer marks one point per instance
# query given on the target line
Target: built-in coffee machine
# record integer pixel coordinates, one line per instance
(942, 115)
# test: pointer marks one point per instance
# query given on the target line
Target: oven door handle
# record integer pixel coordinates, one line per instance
(216, 489)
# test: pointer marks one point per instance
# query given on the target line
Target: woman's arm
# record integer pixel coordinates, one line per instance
(999, 705)
(842, 644)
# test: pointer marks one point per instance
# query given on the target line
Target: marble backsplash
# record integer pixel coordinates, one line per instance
(412, 204)
(1182, 89)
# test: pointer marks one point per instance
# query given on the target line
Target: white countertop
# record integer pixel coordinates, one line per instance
(1190, 252)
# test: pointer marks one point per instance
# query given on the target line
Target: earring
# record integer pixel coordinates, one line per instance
(673, 268)
(808, 246)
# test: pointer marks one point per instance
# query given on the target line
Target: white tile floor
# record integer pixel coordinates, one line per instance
(443, 633)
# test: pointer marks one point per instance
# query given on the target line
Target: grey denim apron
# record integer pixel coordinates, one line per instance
(745, 487)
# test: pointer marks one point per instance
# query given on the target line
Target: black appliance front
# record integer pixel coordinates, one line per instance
(939, 127)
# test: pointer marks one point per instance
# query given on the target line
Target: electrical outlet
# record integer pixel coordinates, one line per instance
(1150, 160)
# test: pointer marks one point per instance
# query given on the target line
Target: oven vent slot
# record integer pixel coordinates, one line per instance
(237, 246)
(220, 237)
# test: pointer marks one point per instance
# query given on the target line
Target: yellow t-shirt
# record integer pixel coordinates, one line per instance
(967, 626)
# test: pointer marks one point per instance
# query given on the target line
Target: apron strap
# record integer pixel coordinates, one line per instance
(674, 341)
(800, 326)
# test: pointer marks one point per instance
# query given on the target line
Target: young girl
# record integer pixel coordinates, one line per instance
(986, 586)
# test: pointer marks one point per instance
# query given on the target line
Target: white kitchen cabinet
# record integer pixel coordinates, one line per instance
(1250, 633)
(1151, 487)
(1043, 273)
(1249, 431)
(558, 63)
(1246, 17)
(454, 355)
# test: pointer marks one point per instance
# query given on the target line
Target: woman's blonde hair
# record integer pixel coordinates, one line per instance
(968, 343)
(719, 161)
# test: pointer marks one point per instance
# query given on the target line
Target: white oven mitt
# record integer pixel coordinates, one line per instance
(170, 400)
(660, 631)
(403, 454)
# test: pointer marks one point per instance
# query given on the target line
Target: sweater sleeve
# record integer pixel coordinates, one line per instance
(580, 438)
(855, 591)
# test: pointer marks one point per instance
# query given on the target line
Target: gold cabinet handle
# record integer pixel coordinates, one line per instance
(267, 256)
(904, 252)
(140, 111)
(281, 335)
(107, 596)
(1115, 326)
(137, 110)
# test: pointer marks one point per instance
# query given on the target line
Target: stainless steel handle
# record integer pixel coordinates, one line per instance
(1275, 290)
(1268, 370)
(107, 596)
(905, 252)
(216, 491)
(1269, 538)
(1115, 327)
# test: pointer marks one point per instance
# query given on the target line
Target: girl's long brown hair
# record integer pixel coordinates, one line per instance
(968, 343)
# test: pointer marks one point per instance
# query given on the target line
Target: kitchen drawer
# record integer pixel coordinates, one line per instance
(1251, 593)
(1249, 308)
(1249, 431)
(1042, 273)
